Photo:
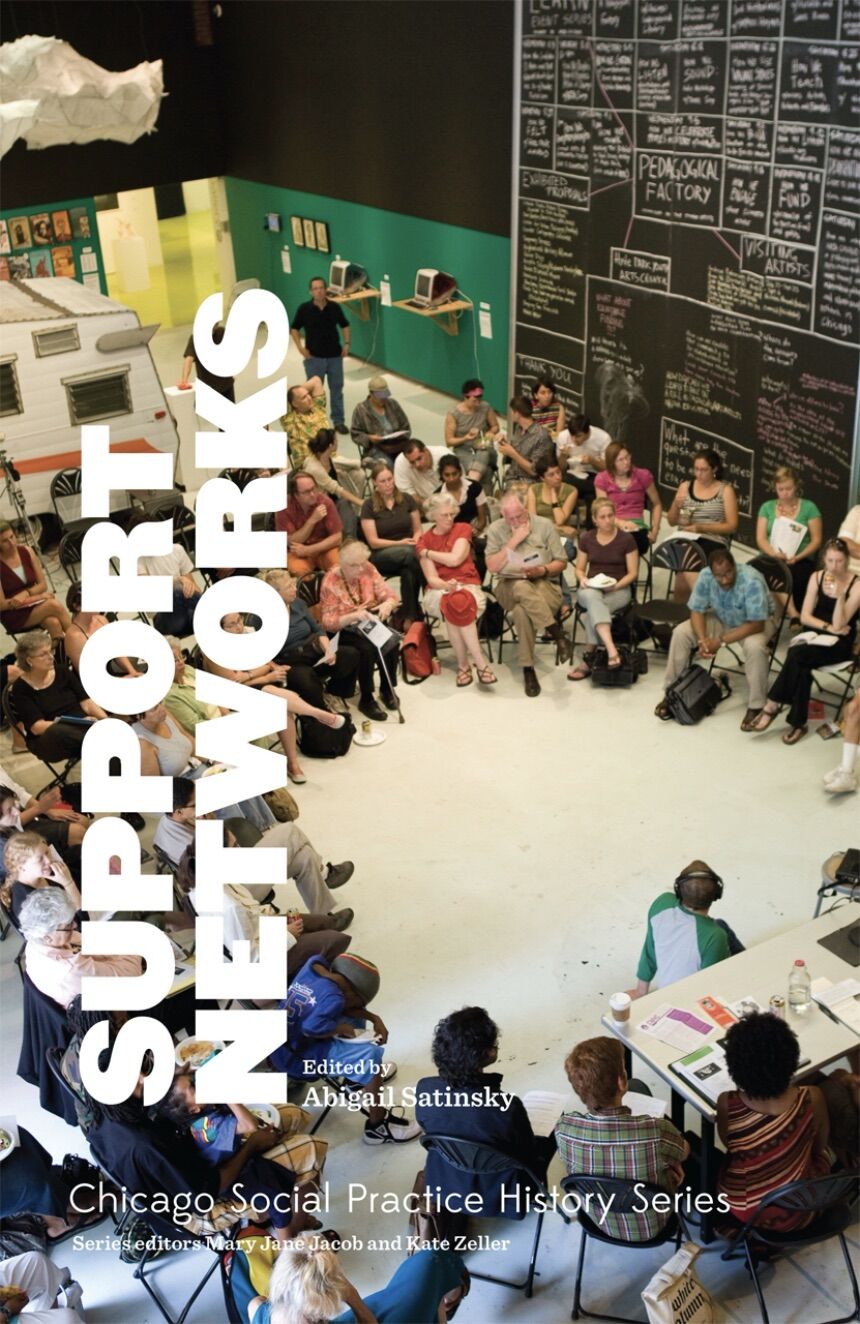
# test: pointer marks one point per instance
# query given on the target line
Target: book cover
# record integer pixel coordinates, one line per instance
(41, 264)
(41, 227)
(64, 261)
(80, 218)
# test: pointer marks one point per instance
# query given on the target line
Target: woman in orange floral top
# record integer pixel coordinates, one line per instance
(352, 596)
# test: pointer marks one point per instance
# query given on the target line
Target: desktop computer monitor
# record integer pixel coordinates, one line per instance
(433, 287)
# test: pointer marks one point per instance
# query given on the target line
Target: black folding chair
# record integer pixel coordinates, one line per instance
(174, 1235)
(69, 552)
(828, 1199)
(65, 491)
(483, 1160)
(623, 1197)
(678, 556)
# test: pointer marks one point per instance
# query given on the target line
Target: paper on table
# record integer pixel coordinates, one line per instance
(676, 1027)
(544, 1107)
(786, 535)
(841, 999)
(644, 1105)
(332, 648)
(745, 1006)
(706, 1070)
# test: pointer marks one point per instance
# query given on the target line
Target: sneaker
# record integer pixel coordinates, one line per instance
(842, 784)
(341, 429)
(341, 919)
(388, 1072)
(394, 1129)
(338, 874)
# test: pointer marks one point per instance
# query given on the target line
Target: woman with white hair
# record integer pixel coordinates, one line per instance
(351, 596)
(308, 1285)
(454, 585)
(53, 958)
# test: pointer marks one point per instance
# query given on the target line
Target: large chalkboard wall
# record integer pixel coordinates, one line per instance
(688, 217)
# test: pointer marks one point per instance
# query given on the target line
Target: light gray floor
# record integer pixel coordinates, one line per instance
(506, 853)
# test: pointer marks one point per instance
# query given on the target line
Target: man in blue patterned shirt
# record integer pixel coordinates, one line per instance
(730, 604)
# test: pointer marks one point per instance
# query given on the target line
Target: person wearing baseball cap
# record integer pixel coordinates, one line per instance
(380, 428)
(326, 1007)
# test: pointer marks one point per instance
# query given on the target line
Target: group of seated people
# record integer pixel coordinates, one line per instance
(421, 527)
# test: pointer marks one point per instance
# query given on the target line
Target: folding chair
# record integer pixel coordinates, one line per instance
(69, 552)
(626, 1198)
(65, 492)
(678, 556)
(172, 1234)
(483, 1160)
(829, 1199)
(845, 671)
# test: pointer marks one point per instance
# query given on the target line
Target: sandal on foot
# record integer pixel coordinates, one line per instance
(485, 676)
(614, 663)
(763, 720)
(464, 677)
(794, 734)
(582, 672)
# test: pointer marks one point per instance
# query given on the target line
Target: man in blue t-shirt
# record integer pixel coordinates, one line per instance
(326, 1007)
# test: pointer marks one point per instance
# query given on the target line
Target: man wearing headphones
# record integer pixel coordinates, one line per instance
(682, 938)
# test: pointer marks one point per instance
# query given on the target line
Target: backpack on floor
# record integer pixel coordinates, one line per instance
(324, 742)
(417, 653)
(694, 695)
(634, 662)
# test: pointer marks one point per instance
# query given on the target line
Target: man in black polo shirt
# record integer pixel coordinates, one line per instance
(322, 352)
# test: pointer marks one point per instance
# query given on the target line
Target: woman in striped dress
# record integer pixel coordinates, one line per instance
(774, 1131)
(707, 506)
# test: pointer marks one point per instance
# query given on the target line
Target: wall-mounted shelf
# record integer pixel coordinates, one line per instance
(444, 314)
(361, 300)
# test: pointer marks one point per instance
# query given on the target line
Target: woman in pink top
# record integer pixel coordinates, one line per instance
(629, 488)
(351, 597)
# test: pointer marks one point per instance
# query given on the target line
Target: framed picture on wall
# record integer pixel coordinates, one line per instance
(310, 234)
(297, 231)
(81, 223)
(62, 226)
(322, 236)
(41, 225)
(20, 230)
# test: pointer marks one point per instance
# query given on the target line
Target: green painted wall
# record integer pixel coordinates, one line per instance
(79, 242)
(385, 242)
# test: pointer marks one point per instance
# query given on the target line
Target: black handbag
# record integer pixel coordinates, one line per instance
(694, 695)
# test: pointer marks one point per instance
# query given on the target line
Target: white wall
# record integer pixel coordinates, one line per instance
(196, 194)
(137, 206)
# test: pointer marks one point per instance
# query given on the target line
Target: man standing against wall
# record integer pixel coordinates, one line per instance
(322, 350)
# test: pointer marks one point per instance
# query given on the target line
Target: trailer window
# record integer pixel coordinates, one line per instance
(10, 394)
(98, 396)
(56, 340)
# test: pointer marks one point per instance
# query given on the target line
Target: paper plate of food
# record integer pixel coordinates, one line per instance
(191, 1053)
(9, 1139)
(265, 1113)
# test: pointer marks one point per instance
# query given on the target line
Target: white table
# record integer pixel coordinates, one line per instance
(758, 972)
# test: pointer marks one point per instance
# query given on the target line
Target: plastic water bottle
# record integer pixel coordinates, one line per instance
(799, 985)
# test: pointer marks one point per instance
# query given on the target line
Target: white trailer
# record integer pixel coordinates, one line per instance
(69, 356)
